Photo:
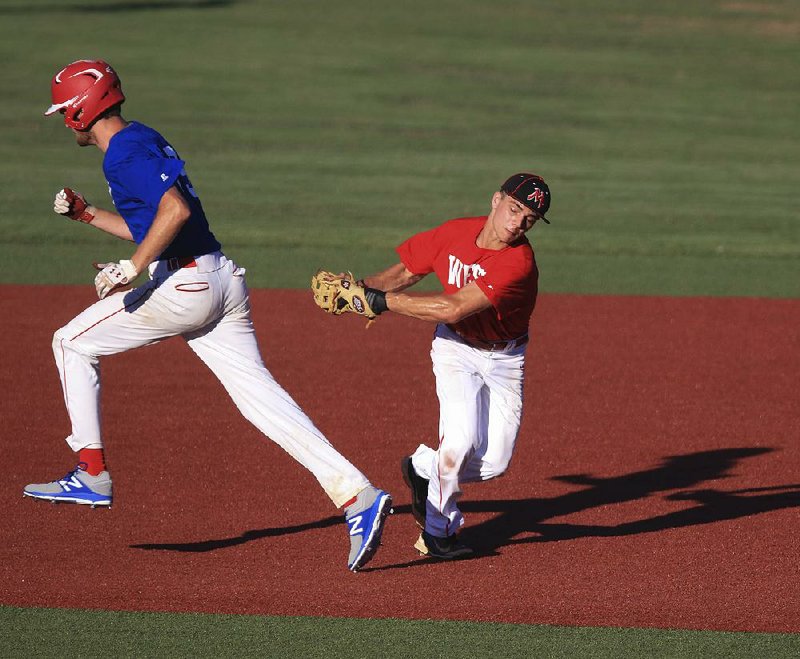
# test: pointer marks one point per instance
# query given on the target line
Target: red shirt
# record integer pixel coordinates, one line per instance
(508, 277)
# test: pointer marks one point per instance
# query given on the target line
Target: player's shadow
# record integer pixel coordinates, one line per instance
(528, 520)
(247, 536)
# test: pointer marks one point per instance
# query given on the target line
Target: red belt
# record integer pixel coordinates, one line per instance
(495, 345)
(178, 262)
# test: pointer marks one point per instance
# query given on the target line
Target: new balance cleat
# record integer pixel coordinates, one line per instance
(78, 486)
(365, 519)
(448, 549)
(419, 490)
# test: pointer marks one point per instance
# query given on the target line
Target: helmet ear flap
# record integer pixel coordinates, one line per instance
(72, 117)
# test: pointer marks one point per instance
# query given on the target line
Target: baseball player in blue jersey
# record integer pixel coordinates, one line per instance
(193, 290)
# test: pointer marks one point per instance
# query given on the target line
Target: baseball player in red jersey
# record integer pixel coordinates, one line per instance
(487, 268)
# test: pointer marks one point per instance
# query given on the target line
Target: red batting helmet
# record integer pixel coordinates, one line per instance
(83, 90)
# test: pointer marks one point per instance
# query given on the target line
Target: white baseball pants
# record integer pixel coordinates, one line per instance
(209, 307)
(480, 411)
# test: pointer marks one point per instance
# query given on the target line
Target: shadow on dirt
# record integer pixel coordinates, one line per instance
(247, 536)
(522, 521)
(526, 520)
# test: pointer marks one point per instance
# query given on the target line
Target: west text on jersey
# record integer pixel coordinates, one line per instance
(459, 275)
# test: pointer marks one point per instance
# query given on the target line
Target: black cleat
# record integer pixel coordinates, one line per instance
(419, 490)
(449, 548)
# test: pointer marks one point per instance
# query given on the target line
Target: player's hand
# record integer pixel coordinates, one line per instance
(73, 205)
(114, 277)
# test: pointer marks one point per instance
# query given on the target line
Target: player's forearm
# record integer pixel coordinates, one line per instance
(432, 307)
(172, 215)
(394, 279)
(110, 222)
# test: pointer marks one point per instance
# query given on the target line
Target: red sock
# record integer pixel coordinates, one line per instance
(94, 459)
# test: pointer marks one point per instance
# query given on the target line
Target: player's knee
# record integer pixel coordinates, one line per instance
(494, 469)
(62, 342)
(449, 463)
(58, 340)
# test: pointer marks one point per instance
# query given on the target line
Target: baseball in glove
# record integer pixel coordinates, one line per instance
(339, 294)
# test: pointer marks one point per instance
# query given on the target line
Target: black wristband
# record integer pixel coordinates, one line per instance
(376, 300)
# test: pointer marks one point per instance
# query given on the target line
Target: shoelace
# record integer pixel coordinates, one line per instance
(80, 467)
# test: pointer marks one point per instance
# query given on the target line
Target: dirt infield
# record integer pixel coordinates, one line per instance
(656, 481)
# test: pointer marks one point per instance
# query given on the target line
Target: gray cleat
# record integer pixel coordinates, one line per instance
(365, 519)
(78, 486)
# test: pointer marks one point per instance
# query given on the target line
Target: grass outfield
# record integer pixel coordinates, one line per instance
(322, 136)
(55, 632)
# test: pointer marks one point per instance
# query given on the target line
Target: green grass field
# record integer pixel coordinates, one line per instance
(323, 134)
(120, 634)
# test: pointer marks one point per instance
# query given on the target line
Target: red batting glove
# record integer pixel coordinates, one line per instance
(73, 205)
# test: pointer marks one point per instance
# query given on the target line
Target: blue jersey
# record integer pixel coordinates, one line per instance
(140, 166)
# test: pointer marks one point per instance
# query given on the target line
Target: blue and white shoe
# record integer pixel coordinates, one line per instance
(365, 519)
(78, 486)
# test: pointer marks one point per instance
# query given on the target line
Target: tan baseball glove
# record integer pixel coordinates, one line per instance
(339, 294)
